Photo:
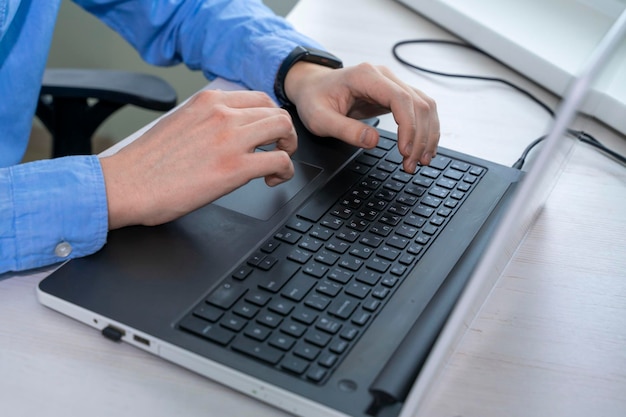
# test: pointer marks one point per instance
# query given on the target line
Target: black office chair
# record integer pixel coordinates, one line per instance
(73, 103)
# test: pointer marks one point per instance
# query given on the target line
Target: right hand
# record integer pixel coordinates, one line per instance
(198, 153)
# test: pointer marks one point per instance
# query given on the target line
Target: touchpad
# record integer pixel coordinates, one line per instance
(256, 199)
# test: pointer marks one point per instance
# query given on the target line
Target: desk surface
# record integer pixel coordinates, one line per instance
(550, 339)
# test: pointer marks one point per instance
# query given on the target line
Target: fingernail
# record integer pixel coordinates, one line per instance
(426, 158)
(411, 167)
(366, 138)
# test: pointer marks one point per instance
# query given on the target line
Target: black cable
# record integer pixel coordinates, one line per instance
(590, 140)
(580, 135)
(472, 77)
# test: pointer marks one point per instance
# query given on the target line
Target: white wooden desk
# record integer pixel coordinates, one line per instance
(550, 341)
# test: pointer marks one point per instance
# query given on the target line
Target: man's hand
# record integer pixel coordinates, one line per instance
(197, 154)
(329, 101)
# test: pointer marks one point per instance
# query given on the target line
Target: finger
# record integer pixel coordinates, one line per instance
(275, 166)
(418, 124)
(379, 87)
(276, 128)
(331, 123)
(422, 146)
(239, 99)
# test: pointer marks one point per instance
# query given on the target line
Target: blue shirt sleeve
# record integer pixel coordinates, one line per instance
(239, 40)
(51, 211)
(54, 210)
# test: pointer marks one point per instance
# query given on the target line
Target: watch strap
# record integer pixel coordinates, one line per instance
(301, 53)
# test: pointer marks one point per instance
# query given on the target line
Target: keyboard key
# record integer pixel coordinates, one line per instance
(233, 322)
(371, 304)
(257, 297)
(476, 171)
(211, 331)
(288, 236)
(327, 258)
(311, 244)
(317, 301)
(371, 240)
(270, 320)
(338, 346)
(440, 162)
(453, 174)
(340, 275)
(208, 312)
(298, 287)
(386, 144)
(461, 166)
(329, 288)
(349, 333)
(316, 373)
(317, 338)
(267, 263)
(242, 272)
(430, 172)
(304, 315)
(328, 325)
(368, 277)
(275, 280)
(378, 264)
(292, 328)
(358, 290)
(343, 307)
(282, 342)
(348, 235)
(327, 359)
(257, 332)
(255, 259)
(352, 263)
(360, 318)
(306, 351)
(270, 246)
(294, 364)
(300, 256)
(226, 295)
(263, 352)
(315, 269)
(280, 306)
(299, 225)
(245, 309)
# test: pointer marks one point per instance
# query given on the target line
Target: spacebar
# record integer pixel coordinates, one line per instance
(324, 199)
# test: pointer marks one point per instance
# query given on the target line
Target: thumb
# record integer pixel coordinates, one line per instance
(347, 129)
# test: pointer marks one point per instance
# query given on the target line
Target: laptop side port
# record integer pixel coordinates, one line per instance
(141, 340)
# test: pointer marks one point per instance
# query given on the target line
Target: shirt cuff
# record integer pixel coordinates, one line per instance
(53, 210)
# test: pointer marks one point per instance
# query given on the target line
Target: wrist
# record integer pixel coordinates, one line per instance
(301, 75)
(298, 55)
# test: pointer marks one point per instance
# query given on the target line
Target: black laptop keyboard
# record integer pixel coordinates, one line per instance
(305, 297)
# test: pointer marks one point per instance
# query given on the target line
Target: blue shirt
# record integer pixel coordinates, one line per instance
(53, 210)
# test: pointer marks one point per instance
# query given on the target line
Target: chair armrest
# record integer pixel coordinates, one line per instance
(139, 89)
(74, 102)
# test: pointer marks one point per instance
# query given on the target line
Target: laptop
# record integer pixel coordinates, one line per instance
(529, 36)
(339, 293)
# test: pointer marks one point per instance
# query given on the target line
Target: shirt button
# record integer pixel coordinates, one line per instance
(63, 250)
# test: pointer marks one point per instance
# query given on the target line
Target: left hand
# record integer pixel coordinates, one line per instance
(329, 102)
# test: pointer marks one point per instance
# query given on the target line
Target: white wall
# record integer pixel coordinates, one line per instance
(81, 40)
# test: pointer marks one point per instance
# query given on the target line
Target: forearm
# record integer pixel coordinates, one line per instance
(51, 211)
(239, 40)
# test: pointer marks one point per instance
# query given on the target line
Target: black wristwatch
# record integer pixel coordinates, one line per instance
(301, 53)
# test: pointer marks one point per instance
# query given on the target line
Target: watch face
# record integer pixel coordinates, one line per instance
(321, 57)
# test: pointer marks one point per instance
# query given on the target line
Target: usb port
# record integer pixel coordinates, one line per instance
(141, 340)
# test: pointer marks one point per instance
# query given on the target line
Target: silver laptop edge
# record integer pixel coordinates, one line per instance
(525, 205)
